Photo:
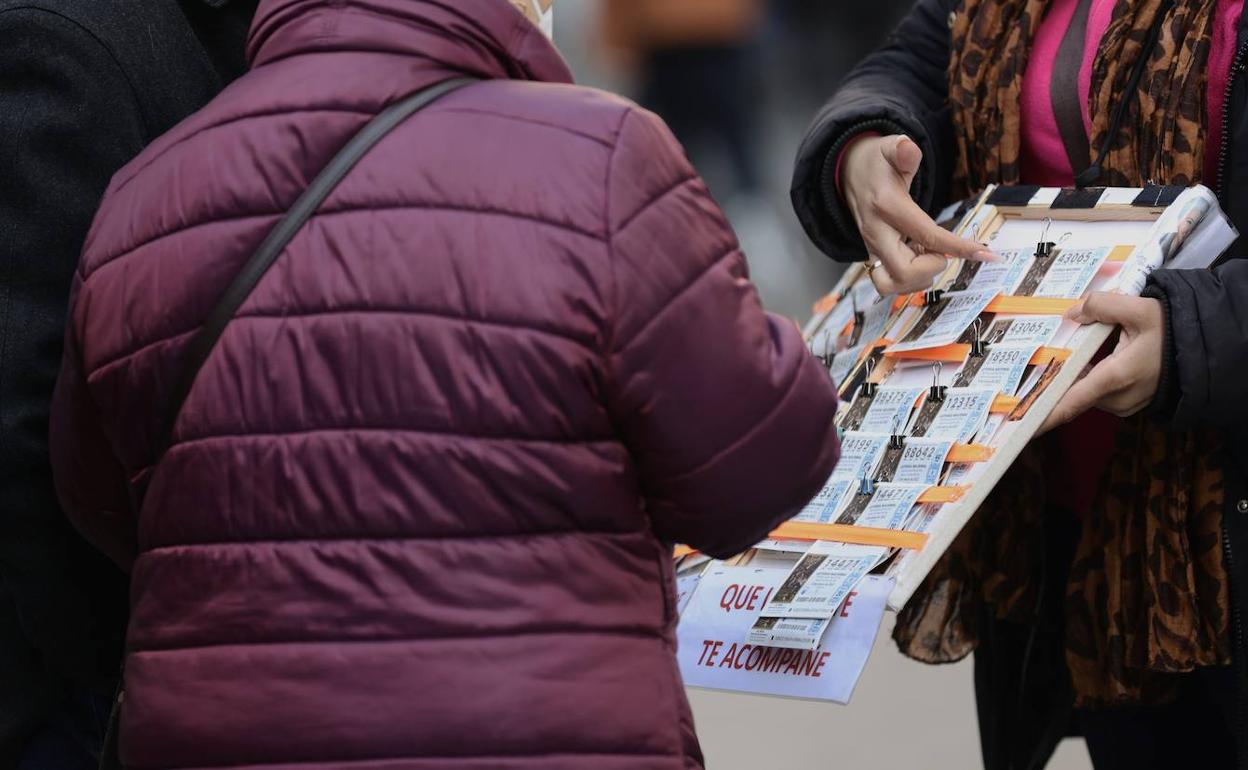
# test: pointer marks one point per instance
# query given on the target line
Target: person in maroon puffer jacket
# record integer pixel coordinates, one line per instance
(419, 504)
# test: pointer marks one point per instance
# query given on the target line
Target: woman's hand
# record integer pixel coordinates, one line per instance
(906, 246)
(1125, 382)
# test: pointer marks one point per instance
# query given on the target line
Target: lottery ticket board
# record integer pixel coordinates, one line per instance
(942, 389)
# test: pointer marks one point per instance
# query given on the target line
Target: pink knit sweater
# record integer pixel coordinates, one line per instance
(1044, 161)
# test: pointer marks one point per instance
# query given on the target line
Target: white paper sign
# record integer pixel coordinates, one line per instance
(719, 656)
(959, 311)
(962, 415)
(685, 586)
(821, 579)
(726, 594)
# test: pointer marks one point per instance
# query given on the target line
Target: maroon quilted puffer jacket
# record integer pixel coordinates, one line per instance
(415, 512)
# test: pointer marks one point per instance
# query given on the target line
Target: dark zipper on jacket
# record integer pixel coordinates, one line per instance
(1224, 150)
(1239, 650)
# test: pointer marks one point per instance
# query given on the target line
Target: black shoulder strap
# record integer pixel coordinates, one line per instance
(279, 237)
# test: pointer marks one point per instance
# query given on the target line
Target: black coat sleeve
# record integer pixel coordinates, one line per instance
(902, 88)
(1205, 361)
(68, 121)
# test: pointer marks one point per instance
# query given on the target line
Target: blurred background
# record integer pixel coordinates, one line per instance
(739, 82)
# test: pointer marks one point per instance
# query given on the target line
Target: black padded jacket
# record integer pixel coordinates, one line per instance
(84, 85)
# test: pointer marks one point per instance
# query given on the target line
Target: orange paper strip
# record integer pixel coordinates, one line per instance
(1008, 303)
(970, 453)
(957, 352)
(942, 495)
(954, 353)
(826, 303)
(843, 533)
(1030, 305)
(682, 550)
(1004, 404)
(1120, 254)
(1044, 356)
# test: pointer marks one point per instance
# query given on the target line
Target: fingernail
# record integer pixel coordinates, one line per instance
(984, 255)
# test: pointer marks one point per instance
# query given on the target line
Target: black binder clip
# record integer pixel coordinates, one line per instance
(898, 439)
(1044, 248)
(938, 392)
(869, 388)
(932, 296)
(827, 356)
(978, 348)
(860, 320)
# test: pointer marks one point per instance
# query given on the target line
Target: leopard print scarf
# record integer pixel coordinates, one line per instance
(1147, 595)
(1163, 134)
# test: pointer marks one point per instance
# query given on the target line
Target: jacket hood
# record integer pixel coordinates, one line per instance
(488, 39)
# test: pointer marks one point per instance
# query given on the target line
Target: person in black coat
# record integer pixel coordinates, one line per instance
(1183, 354)
(84, 85)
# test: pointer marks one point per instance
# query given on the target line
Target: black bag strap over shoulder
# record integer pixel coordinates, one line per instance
(279, 238)
(245, 282)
